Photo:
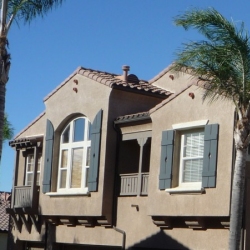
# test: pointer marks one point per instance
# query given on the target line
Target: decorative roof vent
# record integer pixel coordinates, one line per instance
(133, 79)
(125, 69)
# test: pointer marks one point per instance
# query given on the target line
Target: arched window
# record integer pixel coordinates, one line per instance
(74, 156)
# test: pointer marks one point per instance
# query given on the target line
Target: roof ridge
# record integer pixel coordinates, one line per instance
(159, 75)
(111, 80)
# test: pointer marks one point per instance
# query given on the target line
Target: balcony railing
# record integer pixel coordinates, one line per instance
(23, 197)
(130, 184)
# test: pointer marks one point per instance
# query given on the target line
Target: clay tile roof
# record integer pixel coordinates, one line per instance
(4, 217)
(132, 117)
(27, 141)
(115, 81)
(112, 80)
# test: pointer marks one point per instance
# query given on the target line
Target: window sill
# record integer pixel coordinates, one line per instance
(185, 190)
(53, 194)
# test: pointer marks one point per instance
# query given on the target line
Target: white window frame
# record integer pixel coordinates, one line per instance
(70, 146)
(193, 187)
(27, 173)
(183, 184)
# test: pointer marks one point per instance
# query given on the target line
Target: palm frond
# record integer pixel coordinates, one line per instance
(27, 10)
(8, 130)
(222, 61)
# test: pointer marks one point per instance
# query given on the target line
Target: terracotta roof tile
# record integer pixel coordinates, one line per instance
(132, 117)
(4, 217)
(146, 115)
(113, 80)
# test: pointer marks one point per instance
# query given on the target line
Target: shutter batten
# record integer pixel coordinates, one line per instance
(49, 140)
(210, 155)
(95, 152)
(167, 146)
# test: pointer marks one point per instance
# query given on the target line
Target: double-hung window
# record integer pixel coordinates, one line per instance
(191, 158)
(74, 156)
(30, 161)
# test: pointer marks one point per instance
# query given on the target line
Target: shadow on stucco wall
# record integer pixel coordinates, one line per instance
(159, 240)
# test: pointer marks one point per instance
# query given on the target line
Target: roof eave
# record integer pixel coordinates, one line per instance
(142, 92)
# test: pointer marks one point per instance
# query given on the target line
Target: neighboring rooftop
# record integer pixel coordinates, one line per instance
(4, 218)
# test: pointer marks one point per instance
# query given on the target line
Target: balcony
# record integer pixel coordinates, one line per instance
(25, 197)
(134, 184)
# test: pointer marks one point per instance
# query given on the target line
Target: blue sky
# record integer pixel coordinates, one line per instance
(95, 34)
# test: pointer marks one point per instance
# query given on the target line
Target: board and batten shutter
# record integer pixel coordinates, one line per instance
(167, 148)
(210, 155)
(95, 152)
(49, 140)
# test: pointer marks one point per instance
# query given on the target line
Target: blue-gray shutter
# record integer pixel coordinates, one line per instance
(95, 152)
(49, 140)
(210, 155)
(167, 148)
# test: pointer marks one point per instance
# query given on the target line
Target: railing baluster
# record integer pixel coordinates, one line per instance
(22, 196)
(129, 184)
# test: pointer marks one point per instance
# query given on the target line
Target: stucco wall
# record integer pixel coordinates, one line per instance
(142, 232)
(181, 110)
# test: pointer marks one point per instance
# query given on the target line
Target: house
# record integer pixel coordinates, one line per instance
(123, 163)
(4, 219)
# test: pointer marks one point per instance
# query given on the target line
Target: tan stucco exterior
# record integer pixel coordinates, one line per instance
(107, 217)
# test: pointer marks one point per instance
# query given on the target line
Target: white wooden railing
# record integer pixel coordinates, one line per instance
(23, 196)
(130, 184)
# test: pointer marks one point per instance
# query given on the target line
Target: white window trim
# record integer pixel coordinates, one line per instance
(181, 183)
(70, 146)
(190, 125)
(193, 187)
(73, 193)
(32, 172)
(182, 190)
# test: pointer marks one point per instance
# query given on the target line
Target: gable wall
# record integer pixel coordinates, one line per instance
(61, 107)
(180, 81)
(181, 110)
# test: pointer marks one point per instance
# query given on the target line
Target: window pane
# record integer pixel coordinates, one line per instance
(30, 163)
(76, 174)
(192, 170)
(65, 135)
(88, 156)
(29, 177)
(194, 145)
(64, 159)
(63, 178)
(79, 125)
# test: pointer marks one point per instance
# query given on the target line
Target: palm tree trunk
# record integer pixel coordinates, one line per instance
(237, 199)
(4, 72)
(2, 107)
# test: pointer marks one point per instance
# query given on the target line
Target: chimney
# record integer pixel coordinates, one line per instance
(125, 69)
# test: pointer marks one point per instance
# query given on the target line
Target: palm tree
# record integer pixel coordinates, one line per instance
(20, 11)
(222, 62)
